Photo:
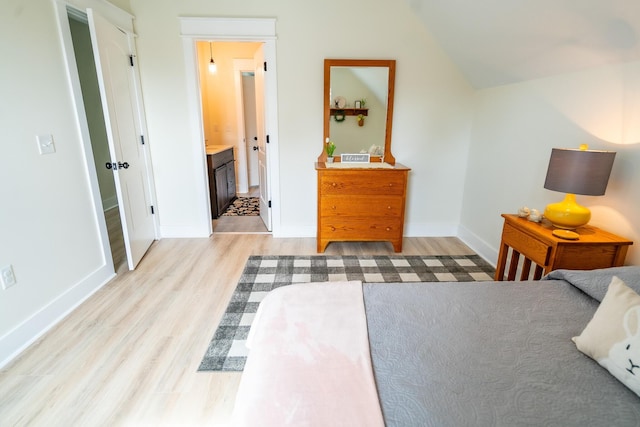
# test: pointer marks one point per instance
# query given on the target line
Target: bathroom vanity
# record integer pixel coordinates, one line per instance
(360, 201)
(222, 178)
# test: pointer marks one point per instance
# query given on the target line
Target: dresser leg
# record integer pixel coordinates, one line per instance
(322, 245)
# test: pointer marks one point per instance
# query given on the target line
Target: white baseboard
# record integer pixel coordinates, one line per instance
(482, 248)
(424, 229)
(183, 232)
(110, 203)
(25, 334)
(293, 232)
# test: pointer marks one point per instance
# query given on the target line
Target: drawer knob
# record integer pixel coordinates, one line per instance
(388, 228)
(333, 207)
(332, 228)
(333, 184)
(389, 207)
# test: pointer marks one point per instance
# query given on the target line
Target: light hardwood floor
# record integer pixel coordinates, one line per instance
(129, 355)
(116, 239)
(241, 224)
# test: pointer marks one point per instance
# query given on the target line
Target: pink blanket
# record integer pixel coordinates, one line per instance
(309, 361)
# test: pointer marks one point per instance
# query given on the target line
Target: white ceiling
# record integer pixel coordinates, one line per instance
(496, 42)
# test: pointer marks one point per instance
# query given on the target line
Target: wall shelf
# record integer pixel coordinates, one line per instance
(349, 111)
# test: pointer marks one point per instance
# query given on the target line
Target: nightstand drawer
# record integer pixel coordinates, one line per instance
(535, 250)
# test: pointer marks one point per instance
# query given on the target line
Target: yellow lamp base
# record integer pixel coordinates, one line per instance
(567, 214)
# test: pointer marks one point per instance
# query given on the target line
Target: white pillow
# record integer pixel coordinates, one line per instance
(612, 337)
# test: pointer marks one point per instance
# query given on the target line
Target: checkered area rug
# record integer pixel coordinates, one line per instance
(227, 350)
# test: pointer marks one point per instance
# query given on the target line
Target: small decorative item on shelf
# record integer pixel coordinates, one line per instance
(535, 215)
(376, 150)
(363, 102)
(524, 212)
(329, 147)
(532, 215)
(357, 104)
(360, 120)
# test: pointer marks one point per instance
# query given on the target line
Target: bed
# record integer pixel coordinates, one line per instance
(439, 354)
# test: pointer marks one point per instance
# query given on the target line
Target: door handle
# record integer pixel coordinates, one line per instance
(255, 148)
(116, 166)
(255, 138)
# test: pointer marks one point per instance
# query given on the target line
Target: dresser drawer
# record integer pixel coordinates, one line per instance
(360, 228)
(362, 183)
(341, 206)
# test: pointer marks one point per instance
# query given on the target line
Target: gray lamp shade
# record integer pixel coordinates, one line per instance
(579, 171)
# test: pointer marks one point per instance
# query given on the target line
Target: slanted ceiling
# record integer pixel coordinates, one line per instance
(496, 42)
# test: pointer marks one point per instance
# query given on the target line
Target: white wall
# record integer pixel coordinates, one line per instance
(516, 126)
(432, 107)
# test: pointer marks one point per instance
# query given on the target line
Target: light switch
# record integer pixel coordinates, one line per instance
(45, 144)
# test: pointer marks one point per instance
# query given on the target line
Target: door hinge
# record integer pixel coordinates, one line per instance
(152, 210)
(142, 139)
(269, 204)
(265, 65)
(267, 139)
(131, 60)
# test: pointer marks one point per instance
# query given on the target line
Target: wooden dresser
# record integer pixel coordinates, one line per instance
(361, 204)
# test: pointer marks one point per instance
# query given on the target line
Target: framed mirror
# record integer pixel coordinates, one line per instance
(358, 107)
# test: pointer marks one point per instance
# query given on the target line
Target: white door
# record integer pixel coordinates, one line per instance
(116, 79)
(263, 146)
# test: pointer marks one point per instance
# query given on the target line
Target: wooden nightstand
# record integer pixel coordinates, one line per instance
(595, 248)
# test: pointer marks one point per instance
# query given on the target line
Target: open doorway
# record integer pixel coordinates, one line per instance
(231, 114)
(261, 30)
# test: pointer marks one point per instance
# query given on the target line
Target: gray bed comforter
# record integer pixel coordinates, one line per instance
(489, 354)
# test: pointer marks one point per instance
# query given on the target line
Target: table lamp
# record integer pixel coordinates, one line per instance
(575, 171)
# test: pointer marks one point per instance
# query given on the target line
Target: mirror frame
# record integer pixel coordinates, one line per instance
(388, 63)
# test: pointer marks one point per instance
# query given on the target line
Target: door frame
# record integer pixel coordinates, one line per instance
(262, 30)
(124, 21)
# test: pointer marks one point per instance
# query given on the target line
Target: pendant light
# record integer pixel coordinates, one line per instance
(212, 64)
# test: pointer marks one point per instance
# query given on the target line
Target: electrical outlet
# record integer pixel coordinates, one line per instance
(7, 277)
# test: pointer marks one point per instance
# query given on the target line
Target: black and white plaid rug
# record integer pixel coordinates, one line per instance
(227, 350)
